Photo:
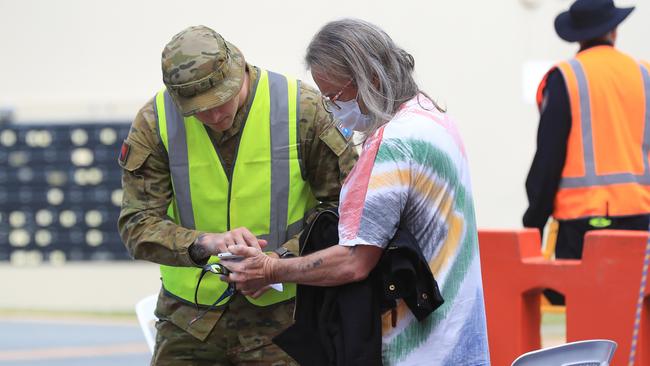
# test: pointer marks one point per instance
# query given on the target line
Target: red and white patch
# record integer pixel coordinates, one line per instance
(124, 152)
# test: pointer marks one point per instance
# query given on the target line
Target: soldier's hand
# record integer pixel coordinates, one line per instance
(215, 243)
(255, 293)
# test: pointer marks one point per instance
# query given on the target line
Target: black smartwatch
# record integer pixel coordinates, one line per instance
(283, 252)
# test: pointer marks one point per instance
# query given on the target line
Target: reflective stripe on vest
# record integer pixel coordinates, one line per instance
(590, 178)
(268, 196)
(598, 180)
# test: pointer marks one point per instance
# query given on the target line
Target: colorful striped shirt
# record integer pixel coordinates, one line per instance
(413, 171)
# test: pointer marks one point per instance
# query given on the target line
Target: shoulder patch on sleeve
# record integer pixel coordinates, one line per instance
(345, 132)
(335, 139)
(124, 152)
(132, 156)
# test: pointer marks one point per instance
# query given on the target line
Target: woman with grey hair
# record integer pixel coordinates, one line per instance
(361, 62)
(412, 174)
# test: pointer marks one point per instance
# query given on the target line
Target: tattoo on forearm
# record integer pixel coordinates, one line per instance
(197, 251)
(316, 263)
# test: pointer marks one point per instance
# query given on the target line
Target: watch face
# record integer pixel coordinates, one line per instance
(282, 252)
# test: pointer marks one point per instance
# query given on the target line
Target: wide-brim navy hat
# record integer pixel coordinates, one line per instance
(589, 19)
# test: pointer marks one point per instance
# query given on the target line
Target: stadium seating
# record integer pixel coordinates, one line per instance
(60, 192)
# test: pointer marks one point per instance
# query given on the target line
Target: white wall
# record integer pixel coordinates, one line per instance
(101, 59)
(87, 287)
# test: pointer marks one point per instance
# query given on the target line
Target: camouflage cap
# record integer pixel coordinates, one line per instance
(201, 70)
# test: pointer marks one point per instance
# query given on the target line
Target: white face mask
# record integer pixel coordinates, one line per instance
(350, 115)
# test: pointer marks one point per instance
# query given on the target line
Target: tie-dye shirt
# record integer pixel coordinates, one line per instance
(414, 170)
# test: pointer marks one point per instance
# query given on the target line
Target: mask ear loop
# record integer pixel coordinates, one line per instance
(230, 290)
(360, 140)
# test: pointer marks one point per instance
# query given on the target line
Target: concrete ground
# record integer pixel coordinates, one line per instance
(553, 329)
(74, 314)
(38, 340)
(75, 340)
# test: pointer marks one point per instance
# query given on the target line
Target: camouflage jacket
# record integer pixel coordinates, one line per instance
(149, 234)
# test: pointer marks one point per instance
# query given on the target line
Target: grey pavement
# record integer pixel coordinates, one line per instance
(34, 327)
(70, 342)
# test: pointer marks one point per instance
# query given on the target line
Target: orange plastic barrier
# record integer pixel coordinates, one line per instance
(601, 291)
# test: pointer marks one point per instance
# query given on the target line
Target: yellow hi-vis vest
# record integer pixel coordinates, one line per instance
(265, 191)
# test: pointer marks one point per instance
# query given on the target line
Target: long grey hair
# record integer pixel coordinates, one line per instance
(381, 71)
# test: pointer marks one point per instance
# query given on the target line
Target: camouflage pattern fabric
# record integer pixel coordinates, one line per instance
(201, 70)
(242, 337)
(149, 235)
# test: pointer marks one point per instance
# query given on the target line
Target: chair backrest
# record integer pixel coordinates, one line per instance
(144, 310)
(595, 352)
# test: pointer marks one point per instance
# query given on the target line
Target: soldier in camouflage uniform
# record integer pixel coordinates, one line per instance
(238, 332)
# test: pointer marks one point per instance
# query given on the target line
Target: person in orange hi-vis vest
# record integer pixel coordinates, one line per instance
(591, 168)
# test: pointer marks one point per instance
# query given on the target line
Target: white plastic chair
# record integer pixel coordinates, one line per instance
(144, 310)
(596, 352)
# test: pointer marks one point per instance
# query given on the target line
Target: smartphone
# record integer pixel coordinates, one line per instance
(229, 256)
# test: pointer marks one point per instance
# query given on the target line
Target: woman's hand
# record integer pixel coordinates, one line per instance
(253, 274)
